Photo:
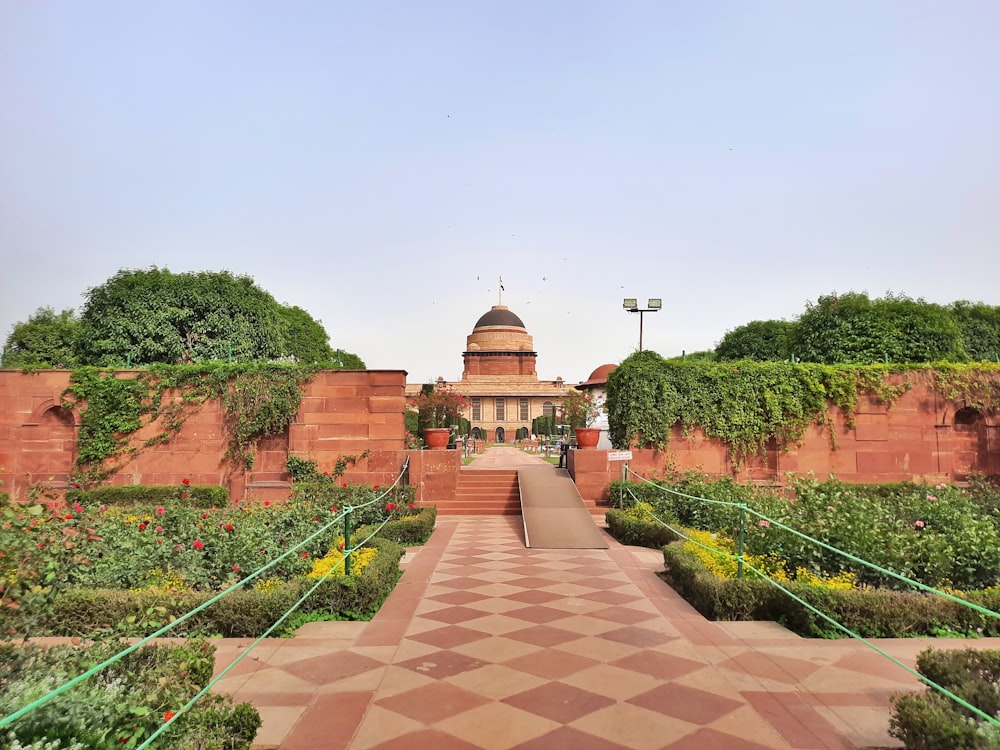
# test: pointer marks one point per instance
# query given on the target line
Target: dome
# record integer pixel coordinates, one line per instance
(499, 315)
(598, 376)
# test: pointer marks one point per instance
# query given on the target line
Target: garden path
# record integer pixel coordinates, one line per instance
(487, 645)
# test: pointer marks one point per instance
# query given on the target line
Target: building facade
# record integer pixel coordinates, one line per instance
(500, 380)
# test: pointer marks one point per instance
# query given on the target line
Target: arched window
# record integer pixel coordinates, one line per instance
(967, 419)
(501, 435)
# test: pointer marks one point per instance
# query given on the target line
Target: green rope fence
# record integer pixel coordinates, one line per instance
(741, 563)
(339, 517)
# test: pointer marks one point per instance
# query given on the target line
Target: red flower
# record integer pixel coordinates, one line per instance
(68, 517)
(236, 568)
(185, 481)
(142, 527)
(340, 546)
(229, 527)
(77, 507)
(198, 544)
(169, 714)
(41, 545)
(315, 519)
(266, 503)
(204, 515)
(184, 496)
(333, 508)
(343, 484)
(411, 506)
(390, 506)
(76, 485)
(375, 487)
(160, 511)
(305, 554)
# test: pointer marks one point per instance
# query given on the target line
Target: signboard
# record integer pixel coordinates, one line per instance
(619, 455)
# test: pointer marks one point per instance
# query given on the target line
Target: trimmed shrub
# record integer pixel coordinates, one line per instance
(629, 530)
(868, 612)
(242, 614)
(932, 721)
(415, 529)
(198, 496)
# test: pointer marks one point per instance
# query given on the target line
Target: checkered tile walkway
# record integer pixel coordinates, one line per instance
(487, 645)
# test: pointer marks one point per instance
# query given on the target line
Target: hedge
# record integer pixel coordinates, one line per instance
(872, 613)
(199, 496)
(414, 529)
(930, 721)
(244, 613)
(629, 530)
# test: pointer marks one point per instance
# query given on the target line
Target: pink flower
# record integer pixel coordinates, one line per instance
(159, 529)
(160, 511)
(918, 524)
(764, 524)
(940, 486)
(198, 544)
(932, 498)
(77, 507)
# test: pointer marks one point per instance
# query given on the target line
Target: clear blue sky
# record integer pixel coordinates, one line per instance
(381, 164)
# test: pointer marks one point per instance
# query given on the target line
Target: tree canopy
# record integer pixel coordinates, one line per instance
(152, 316)
(47, 339)
(851, 328)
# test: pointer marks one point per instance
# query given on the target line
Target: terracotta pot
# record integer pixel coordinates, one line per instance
(437, 438)
(587, 437)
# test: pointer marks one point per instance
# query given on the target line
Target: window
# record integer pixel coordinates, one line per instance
(501, 410)
(524, 410)
(549, 409)
(477, 409)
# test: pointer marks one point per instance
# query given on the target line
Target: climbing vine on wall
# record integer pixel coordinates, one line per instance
(978, 385)
(259, 400)
(746, 404)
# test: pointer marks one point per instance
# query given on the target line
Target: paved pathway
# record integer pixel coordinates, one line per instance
(486, 645)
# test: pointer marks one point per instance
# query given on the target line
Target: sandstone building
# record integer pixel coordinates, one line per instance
(500, 380)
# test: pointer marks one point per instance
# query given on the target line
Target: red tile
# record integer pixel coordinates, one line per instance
(611, 597)
(323, 670)
(709, 739)
(797, 722)
(635, 636)
(428, 738)
(448, 636)
(441, 664)
(531, 582)
(663, 666)
(543, 635)
(687, 703)
(624, 615)
(453, 615)
(538, 614)
(559, 702)
(433, 702)
(458, 597)
(329, 722)
(603, 583)
(460, 582)
(551, 663)
(533, 597)
(567, 738)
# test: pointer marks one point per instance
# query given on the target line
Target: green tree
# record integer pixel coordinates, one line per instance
(142, 317)
(304, 337)
(851, 328)
(761, 340)
(980, 326)
(46, 340)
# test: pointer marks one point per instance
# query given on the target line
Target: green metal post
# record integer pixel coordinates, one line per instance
(740, 539)
(347, 540)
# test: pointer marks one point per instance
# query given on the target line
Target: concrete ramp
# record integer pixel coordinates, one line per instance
(555, 516)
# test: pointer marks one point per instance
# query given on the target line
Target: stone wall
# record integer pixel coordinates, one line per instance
(919, 438)
(343, 413)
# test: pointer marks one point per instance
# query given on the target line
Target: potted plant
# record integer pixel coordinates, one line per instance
(439, 407)
(580, 409)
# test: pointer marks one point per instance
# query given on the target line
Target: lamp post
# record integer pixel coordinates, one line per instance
(632, 306)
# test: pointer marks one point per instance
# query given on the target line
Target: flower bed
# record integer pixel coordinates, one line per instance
(936, 535)
(123, 704)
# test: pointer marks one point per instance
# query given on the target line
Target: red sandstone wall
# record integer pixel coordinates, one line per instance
(342, 413)
(916, 439)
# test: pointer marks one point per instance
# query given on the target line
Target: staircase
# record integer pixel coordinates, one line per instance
(483, 492)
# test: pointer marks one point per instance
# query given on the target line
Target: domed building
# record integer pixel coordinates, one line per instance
(500, 380)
